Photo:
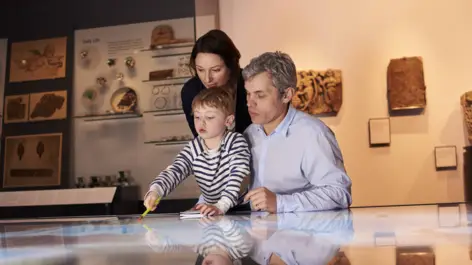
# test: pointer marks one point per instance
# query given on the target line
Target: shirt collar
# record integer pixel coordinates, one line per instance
(222, 146)
(283, 127)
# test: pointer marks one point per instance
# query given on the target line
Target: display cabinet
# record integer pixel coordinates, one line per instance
(127, 104)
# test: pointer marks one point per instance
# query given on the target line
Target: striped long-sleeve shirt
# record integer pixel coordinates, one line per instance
(219, 173)
(227, 235)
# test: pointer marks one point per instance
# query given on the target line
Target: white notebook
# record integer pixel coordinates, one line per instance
(191, 214)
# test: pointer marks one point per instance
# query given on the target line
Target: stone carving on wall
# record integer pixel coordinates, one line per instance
(466, 103)
(405, 84)
(318, 92)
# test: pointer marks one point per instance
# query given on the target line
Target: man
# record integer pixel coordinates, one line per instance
(296, 161)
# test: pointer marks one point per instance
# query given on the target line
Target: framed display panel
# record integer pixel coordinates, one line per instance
(16, 108)
(152, 59)
(379, 132)
(137, 56)
(48, 106)
(32, 160)
(38, 59)
(36, 107)
(445, 157)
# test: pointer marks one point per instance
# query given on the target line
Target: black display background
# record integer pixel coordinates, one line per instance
(23, 20)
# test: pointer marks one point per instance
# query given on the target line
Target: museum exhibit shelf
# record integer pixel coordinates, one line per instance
(109, 116)
(70, 202)
(165, 112)
(170, 46)
(167, 84)
(170, 78)
(170, 142)
(147, 62)
(171, 54)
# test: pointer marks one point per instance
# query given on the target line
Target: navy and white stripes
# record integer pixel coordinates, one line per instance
(219, 173)
(226, 235)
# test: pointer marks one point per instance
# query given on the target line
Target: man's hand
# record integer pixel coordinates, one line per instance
(150, 201)
(262, 227)
(208, 210)
(262, 199)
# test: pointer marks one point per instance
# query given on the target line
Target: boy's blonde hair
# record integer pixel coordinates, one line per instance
(218, 98)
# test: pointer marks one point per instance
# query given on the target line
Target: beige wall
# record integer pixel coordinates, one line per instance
(360, 37)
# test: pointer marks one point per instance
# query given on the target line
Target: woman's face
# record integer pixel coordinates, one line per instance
(212, 70)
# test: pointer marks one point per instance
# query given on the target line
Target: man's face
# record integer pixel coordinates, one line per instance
(210, 122)
(264, 101)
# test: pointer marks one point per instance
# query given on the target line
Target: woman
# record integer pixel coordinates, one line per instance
(215, 63)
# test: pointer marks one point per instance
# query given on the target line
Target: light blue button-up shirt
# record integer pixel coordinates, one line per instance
(304, 238)
(301, 162)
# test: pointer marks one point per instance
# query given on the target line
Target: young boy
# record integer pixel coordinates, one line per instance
(218, 158)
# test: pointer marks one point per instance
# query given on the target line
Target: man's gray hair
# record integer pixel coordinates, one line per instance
(280, 67)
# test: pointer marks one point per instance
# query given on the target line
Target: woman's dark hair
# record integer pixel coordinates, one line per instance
(218, 42)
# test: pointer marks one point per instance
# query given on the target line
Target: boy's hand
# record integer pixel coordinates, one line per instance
(194, 208)
(150, 200)
(208, 210)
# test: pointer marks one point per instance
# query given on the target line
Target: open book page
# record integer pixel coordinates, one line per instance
(191, 214)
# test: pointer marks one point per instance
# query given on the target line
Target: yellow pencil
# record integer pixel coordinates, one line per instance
(147, 227)
(149, 209)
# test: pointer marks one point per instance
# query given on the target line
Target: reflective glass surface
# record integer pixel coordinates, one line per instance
(410, 235)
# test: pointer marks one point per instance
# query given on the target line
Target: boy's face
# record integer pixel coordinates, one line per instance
(211, 122)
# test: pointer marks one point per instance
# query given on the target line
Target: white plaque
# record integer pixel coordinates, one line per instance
(445, 157)
(379, 131)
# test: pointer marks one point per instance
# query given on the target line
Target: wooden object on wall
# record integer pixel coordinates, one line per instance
(405, 84)
(16, 108)
(415, 256)
(48, 106)
(466, 104)
(38, 59)
(32, 160)
(319, 92)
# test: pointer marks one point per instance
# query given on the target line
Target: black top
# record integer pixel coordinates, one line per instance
(193, 86)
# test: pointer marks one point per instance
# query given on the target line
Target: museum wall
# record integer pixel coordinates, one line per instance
(360, 38)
